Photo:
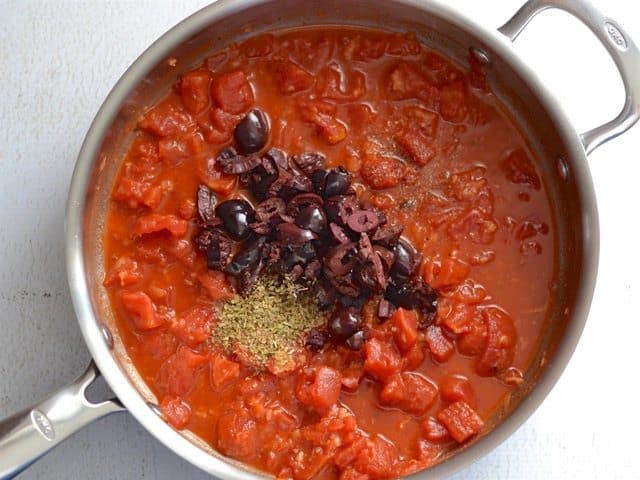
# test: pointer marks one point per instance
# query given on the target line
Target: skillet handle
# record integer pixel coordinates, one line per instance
(620, 46)
(27, 435)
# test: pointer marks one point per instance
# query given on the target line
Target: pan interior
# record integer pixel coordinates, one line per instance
(439, 30)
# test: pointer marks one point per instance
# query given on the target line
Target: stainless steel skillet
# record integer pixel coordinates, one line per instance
(29, 434)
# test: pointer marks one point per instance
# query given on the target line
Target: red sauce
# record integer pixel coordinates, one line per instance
(429, 145)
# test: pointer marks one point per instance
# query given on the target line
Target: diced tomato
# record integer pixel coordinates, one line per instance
(410, 392)
(232, 92)
(166, 120)
(420, 148)
(176, 411)
(322, 114)
(220, 126)
(406, 82)
(237, 434)
(382, 172)
(456, 387)
(414, 357)
(474, 339)
(155, 222)
(440, 346)
(353, 474)
(405, 329)
(193, 326)
(141, 310)
(381, 359)
(474, 225)
(194, 88)
(371, 48)
(351, 376)
(434, 431)
(319, 387)
(160, 344)
(453, 101)
(501, 342)
(223, 371)
(519, 169)
(144, 151)
(452, 272)
(425, 121)
(175, 149)
(377, 459)
(461, 420)
(152, 197)
(124, 273)
(290, 78)
(459, 318)
(187, 209)
(470, 292)
(216, 284)
(178, 373)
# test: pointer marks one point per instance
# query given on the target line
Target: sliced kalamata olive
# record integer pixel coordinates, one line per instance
(338, 234)
(319, 178)
(309, 162)
(294, 235)
(236, 215)
(339, 208)
(207, 201)
(278, 157)
(337, 182)
(312, 270)
(386, 256)
(406, 259)
(401, 294)
(240, 164)
(341, 259)
(217, 247)
(385, 308)
(248, 256)
(252, 132)
(260, 181)
(356, 301)
(427, 301)
(375, 271)
(344, 323)
(315, 340)
(269, 209)
(312, 218)
(355, 341)
(226, 154)
(387, 235)
(365, 275)
(363, 221)
(298, 203)
(295, 185)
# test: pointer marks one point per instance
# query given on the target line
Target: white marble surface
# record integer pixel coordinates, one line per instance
(58, 61)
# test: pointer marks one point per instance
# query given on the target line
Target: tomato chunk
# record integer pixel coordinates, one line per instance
(194, 326)
(237, 433)
(406, 329)
(410, 392)
(452, 272)
(176, 411)
(456, 387)
(141, 310)
(124, 273)
(407, 82)
(319, 387)
(420, 148)
(223, 371)
(322, 114)
(378, 459)
(434, 431)
(382, 172)
(177, 375)
(461, 421)
(381, 359)
(519, 169)
(440, 346)
(291, 78)
(501, 342)
(232, 92)
(156, 222)
(194, 88)
(166, 119)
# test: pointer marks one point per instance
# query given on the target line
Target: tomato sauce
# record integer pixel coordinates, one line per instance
(428, 144)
